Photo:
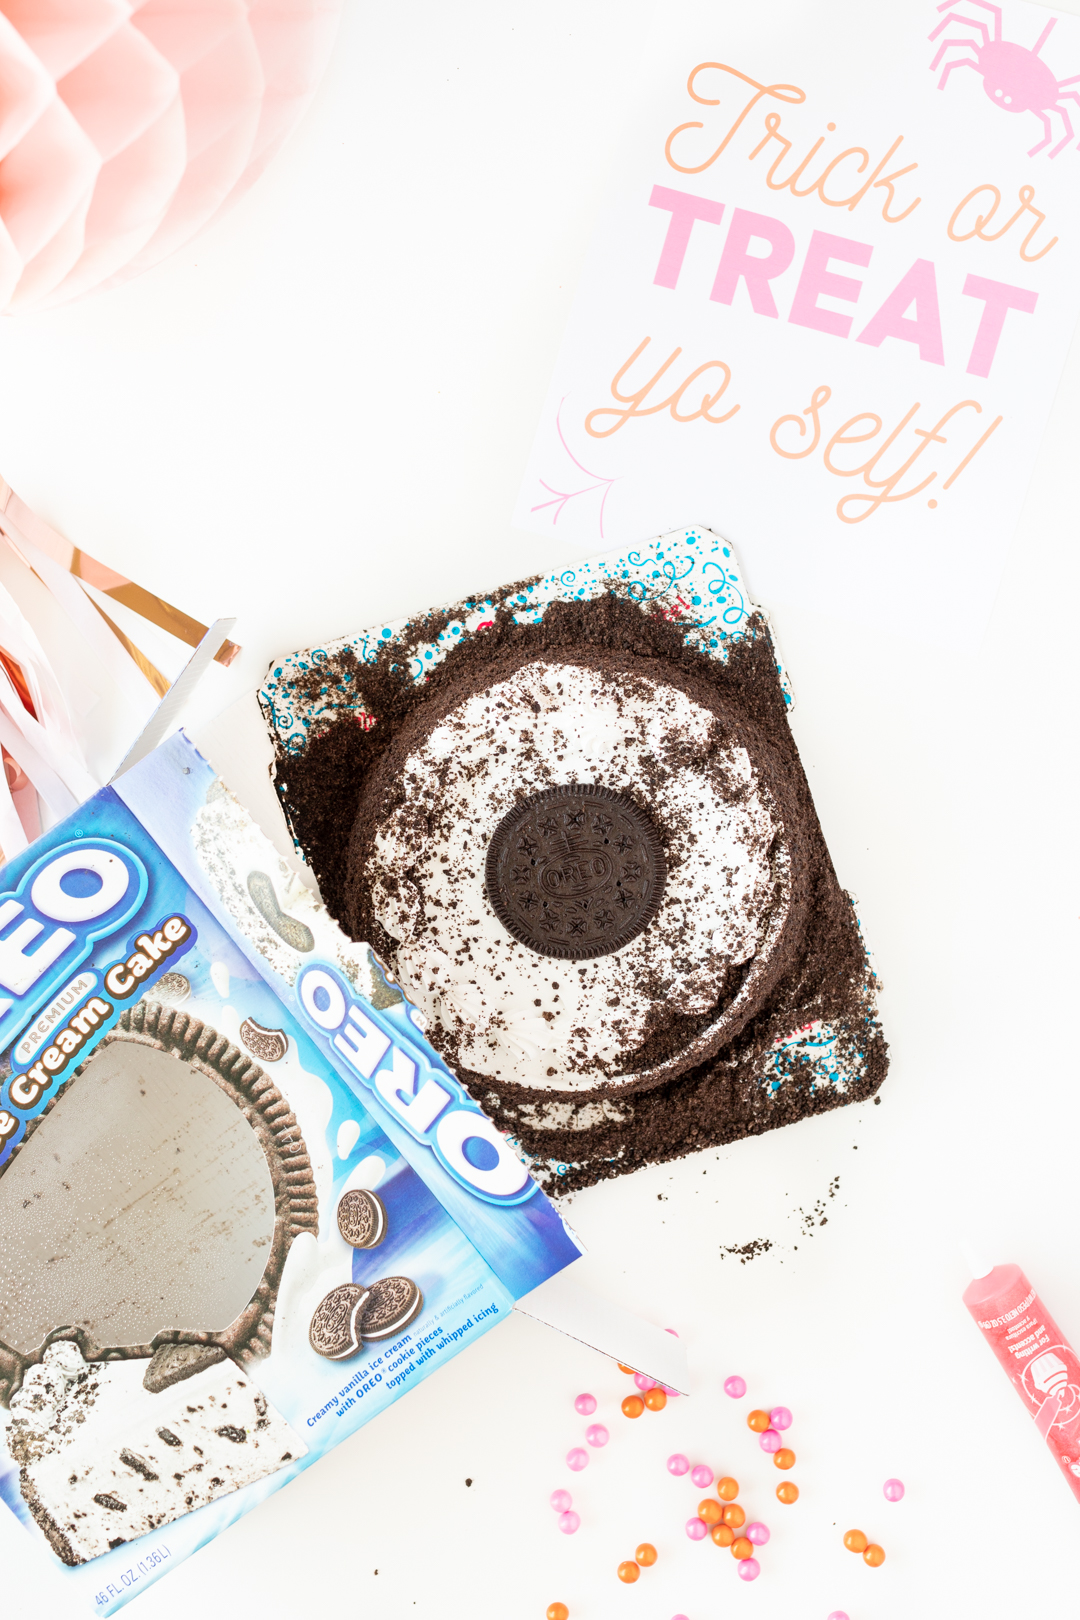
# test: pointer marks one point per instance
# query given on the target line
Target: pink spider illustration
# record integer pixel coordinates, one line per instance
(1013, 77)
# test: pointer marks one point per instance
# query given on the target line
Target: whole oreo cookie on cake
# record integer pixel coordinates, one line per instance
(581, 838)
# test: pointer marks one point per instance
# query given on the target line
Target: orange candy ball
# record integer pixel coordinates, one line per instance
(743, 1548)
(710, 1511)
(784, 1458)
(855, 1541)
(874, 1555)
(621, 1368)
(646, 1554)
(633, 1406)
(655, 1399)
(629, 1572)
(558, 1611)
(727, 1489)
(787, 1492)
(735, 1516)
(722, 1534)
(758, 1421)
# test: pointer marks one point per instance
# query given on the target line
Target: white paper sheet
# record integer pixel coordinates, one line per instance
(828, 302)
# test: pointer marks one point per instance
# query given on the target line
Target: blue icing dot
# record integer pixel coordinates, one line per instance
(386, 635)
(696, 601)
(427, 655)
(727, 552)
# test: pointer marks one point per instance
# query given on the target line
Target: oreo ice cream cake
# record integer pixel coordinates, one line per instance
(572, 820)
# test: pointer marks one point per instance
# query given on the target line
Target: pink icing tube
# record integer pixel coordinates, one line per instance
(1037, 1357)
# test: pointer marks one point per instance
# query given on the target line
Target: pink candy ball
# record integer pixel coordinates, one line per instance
(839, 1614)
(561, 1500)
(697, 1529)
(586, 1405)
(894, 1489)
(597, 1435)
(749, 1569)
(672, 1394)
(757, 1533)
(702, 1475)
(780, 1417)
(770, 1440)
(577, 1459)
(678, 1464)
(568, 1523)
(735, 1387)
(643, 1383)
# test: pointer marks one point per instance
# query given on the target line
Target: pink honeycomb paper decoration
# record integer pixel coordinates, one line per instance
(125, 127)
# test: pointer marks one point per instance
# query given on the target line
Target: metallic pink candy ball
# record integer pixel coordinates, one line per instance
(770, 1440)
(697, 1529)
(735, 1387)
(678, 1464)
(780, 1417)
(577, 1459)
(568, 1522)
(597, 1435)
(561, 1500)
(894, 1489)
(749, 1569)
(643, 1383)
(702, 1475)
(586, 1405)
(757, 1533)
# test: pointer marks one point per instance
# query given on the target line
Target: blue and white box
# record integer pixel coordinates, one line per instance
(197, 1065)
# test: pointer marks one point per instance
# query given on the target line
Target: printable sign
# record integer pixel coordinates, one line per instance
(244, 1207)
(829, 302)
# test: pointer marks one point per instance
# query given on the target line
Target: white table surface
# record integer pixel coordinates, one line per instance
(317, 416)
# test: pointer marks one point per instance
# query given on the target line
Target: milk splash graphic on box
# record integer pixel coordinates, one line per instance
(197, 1066)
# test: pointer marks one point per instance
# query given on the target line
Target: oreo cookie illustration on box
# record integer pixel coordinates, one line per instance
(361, 1218)
(335, 1326)
(571, 817)
(224, 1243)
(392, 1304)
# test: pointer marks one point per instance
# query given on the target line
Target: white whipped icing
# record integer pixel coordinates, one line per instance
(565, 1026)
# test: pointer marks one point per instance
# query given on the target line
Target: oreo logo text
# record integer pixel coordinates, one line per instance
(431, 1105)
(69, 898)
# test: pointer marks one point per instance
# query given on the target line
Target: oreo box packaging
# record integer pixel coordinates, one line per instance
(243, 1204)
